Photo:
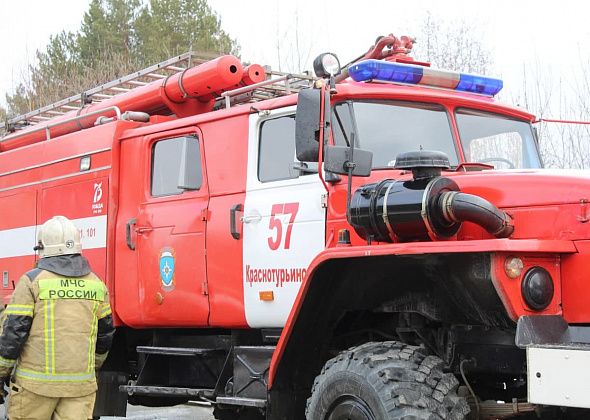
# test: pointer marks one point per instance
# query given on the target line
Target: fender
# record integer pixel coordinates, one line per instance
(413, 248)
(291, 372)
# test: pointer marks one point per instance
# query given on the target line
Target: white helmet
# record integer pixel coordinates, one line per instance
(58, 236)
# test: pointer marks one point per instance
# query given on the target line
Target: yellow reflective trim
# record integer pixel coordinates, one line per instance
(7, 362)
(105, 312)
(25, 313)
(52, 322)
(49, 335)
(71, 288)
(46, 333)
(54, 377)
(15, 309)
(92, 337)
(19, 306)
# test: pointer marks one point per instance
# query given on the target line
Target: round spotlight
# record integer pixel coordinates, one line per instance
(537, 288)
(326, 65)
(513, 267)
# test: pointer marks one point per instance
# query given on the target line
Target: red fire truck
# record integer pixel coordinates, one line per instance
(378, 241)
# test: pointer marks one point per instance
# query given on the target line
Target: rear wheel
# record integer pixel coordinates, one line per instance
(385, 381)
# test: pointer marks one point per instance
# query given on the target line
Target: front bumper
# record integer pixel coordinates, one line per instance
(558, 360)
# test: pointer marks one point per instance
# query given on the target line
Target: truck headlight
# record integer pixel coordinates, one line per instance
(537, 288)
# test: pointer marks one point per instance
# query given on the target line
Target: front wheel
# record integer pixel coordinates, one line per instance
(385, 380)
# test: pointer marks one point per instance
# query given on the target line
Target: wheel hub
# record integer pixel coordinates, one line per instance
(350, 407)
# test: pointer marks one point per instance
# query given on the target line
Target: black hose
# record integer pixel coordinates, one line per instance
(462, 207)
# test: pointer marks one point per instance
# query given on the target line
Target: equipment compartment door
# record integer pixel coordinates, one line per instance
(283, 220)
(18, 229)
(170, 233)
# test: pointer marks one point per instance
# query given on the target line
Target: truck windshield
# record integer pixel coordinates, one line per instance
(388, 128)
(497, 140)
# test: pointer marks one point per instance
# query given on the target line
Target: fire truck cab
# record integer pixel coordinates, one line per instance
(376, 242)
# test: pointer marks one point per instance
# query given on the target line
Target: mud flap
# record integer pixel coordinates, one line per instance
(109, 400)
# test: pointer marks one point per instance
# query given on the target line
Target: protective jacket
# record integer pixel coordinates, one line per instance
(57, 328)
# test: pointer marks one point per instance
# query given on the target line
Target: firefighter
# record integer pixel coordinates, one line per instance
(56, 331)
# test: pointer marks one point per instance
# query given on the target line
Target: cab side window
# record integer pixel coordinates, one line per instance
(169, 157)
(276, 154)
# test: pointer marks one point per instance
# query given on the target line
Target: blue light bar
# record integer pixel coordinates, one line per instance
(479, 84)
(391, 72)
(386, 71)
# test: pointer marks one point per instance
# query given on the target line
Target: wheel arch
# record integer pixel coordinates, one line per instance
(338, 282)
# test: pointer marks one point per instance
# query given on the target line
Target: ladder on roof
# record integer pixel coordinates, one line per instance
(277, 84)
(106, 91)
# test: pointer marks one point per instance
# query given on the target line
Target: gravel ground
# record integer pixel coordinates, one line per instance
(194, 411)
(180, 412)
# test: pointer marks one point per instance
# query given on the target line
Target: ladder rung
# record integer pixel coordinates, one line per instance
(137, 83)
(156, 75)
(55, 112)
(102, 95)
(175, 68)
(119, 89)
(72, 108)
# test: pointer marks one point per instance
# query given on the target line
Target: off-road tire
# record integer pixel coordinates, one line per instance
(237, 414)
(385, 381)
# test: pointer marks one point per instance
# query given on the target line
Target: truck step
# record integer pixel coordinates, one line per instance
(244, 402)
(176, 351)
(166, 391)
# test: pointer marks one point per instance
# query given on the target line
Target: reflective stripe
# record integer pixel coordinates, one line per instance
(46, 333)
(14, 309)
(7, 362)
(52, 329)
(49, 327)
(105, 312)
(54, 377)
(71, 288)
(92, 338)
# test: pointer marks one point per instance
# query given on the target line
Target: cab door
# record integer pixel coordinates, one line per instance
(283, 219)
(170, 232)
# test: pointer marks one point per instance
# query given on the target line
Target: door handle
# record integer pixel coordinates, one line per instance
(143, 229)
(130, 243)
(233, 229)
(251, 218)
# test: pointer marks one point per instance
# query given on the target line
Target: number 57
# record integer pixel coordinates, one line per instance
(275, 224)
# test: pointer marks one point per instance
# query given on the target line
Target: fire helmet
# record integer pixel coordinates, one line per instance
(58, 236)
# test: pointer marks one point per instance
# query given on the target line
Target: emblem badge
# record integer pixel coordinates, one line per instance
(167, 268)
(97, 193)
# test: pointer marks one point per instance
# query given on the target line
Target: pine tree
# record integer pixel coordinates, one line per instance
(115, 38)
(165, 28)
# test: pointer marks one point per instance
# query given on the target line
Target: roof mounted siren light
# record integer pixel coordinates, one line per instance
(395, 72)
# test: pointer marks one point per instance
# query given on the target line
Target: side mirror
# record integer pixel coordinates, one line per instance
(307, 124)
(337, 159)
(189, 175)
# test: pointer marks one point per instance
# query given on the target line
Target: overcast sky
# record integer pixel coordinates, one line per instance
(554, 33)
